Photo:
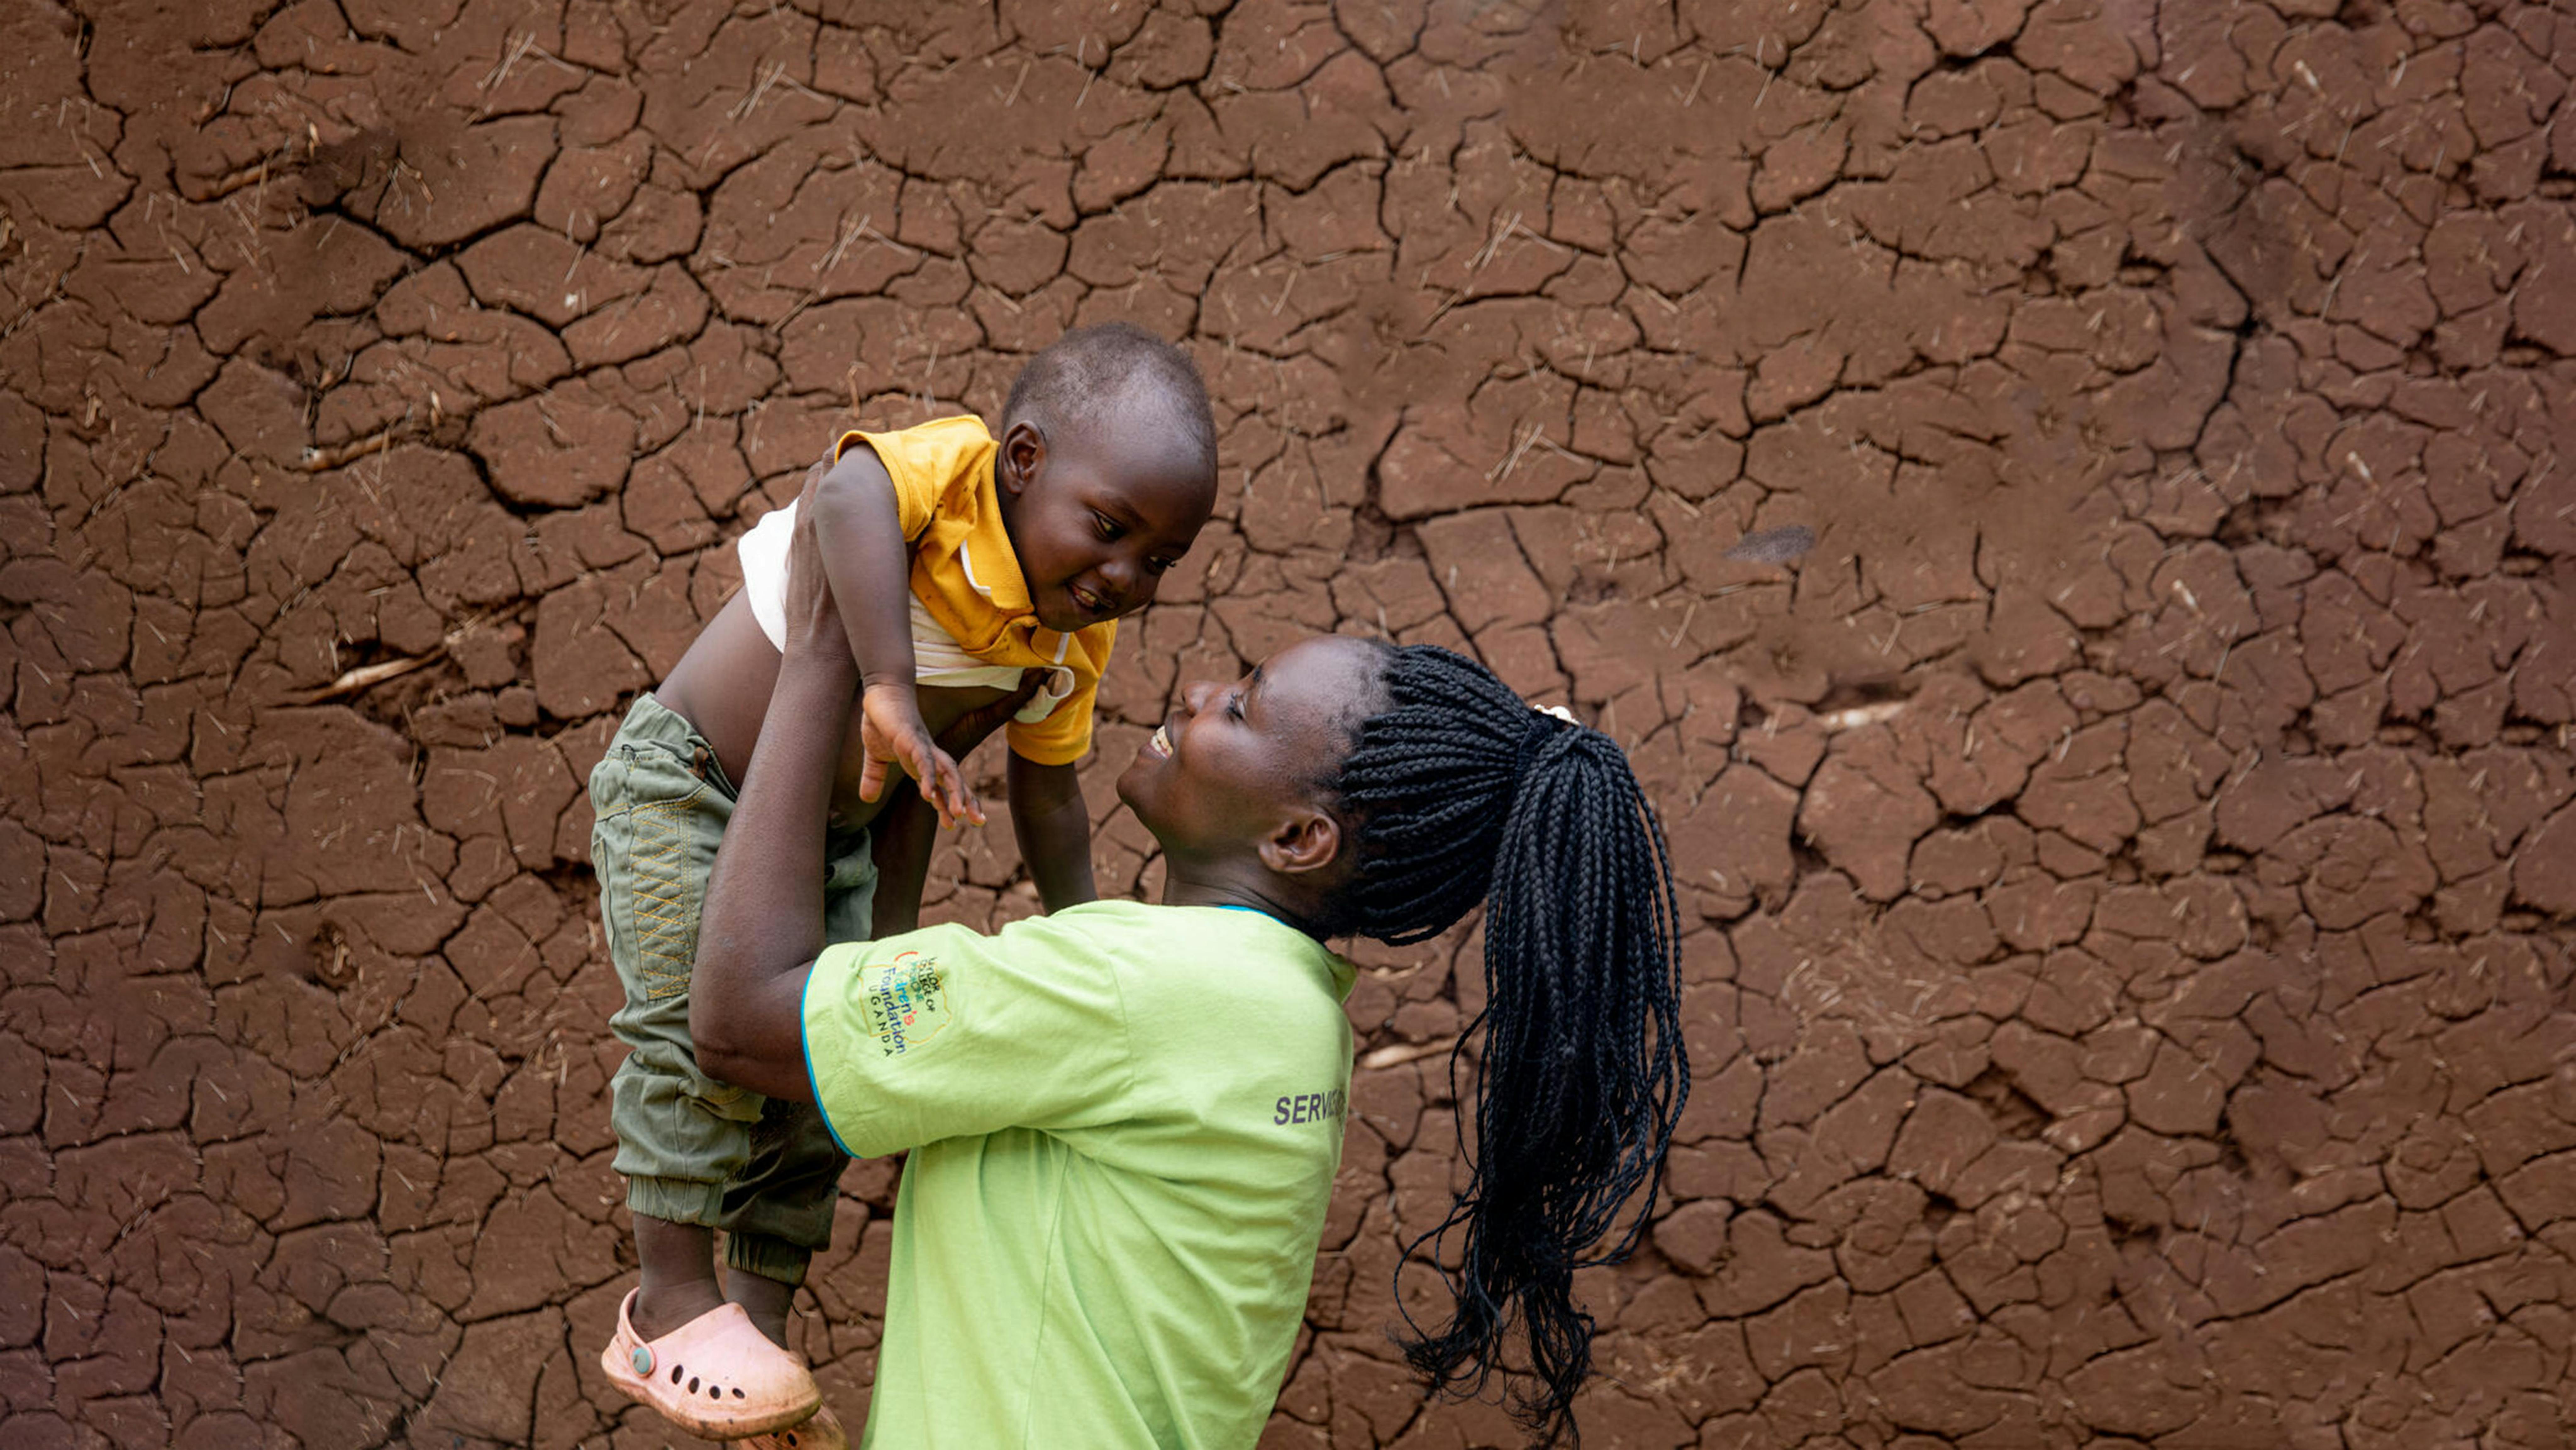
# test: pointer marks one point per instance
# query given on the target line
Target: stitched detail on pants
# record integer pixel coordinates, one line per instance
(665, 907)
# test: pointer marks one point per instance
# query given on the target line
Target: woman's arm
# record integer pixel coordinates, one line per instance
(762, 925)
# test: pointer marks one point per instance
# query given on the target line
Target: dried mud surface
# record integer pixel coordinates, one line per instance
(2130, 858)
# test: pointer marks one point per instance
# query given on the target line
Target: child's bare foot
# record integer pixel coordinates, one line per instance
(661, 1309)
(765, 1300)
(679, 1278)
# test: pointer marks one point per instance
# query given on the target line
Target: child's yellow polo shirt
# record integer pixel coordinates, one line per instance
(968, 578)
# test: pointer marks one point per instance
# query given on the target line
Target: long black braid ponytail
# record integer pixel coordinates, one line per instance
(1464, 793)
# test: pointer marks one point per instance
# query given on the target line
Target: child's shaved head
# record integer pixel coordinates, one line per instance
(1116, 376)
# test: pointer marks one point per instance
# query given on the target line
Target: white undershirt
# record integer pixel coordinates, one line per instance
(937, 657)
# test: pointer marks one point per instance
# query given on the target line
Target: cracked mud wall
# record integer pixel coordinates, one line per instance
(2129, 861)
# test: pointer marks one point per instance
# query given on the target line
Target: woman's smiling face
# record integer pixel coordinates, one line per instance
(1221, 774)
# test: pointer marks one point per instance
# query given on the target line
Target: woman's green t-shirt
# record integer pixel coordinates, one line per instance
(1124, 1122)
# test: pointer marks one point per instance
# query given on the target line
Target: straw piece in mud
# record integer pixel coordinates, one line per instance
(1774, 546)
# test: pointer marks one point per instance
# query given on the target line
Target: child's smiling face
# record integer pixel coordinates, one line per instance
(1098, 514)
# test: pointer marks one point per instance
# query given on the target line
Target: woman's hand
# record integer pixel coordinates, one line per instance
(813, 620)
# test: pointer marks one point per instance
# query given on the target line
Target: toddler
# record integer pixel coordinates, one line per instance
(960, 562)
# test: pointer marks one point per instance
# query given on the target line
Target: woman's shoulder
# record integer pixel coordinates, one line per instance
(1112, 917)
(1199, 952)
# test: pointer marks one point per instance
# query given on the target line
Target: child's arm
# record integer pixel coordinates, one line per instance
(1054, 828)
(899, 842)
(868, 562)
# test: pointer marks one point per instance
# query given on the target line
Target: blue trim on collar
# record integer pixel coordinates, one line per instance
(1257, 911)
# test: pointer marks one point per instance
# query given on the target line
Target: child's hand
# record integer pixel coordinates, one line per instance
(891, 730)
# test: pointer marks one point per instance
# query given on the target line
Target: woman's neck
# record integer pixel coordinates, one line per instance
(1233, 888)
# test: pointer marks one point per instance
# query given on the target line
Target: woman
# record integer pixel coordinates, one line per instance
(1124, 1120)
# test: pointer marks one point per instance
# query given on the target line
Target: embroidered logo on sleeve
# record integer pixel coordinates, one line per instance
(907, 1002)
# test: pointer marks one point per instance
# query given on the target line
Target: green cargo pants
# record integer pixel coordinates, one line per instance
(694, 1150)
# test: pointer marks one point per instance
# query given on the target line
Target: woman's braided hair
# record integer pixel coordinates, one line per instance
(1463, 793)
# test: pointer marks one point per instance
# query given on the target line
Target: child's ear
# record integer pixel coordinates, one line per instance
(1023, 457)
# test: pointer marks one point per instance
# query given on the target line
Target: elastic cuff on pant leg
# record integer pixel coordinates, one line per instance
(675, 1200)
(770, 1258)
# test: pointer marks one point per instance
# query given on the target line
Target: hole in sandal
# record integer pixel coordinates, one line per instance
(737, 1394)
(675, 1374)
(713, 1393)
(693, 1384)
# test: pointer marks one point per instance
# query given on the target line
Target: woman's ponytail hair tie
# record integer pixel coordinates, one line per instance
(1546, 721)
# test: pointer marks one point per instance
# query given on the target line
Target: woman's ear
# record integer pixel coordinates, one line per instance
(1024, 452)
(1305, 842)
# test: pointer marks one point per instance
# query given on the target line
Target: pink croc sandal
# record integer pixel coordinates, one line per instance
(716, 1376)
(823, 1432)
